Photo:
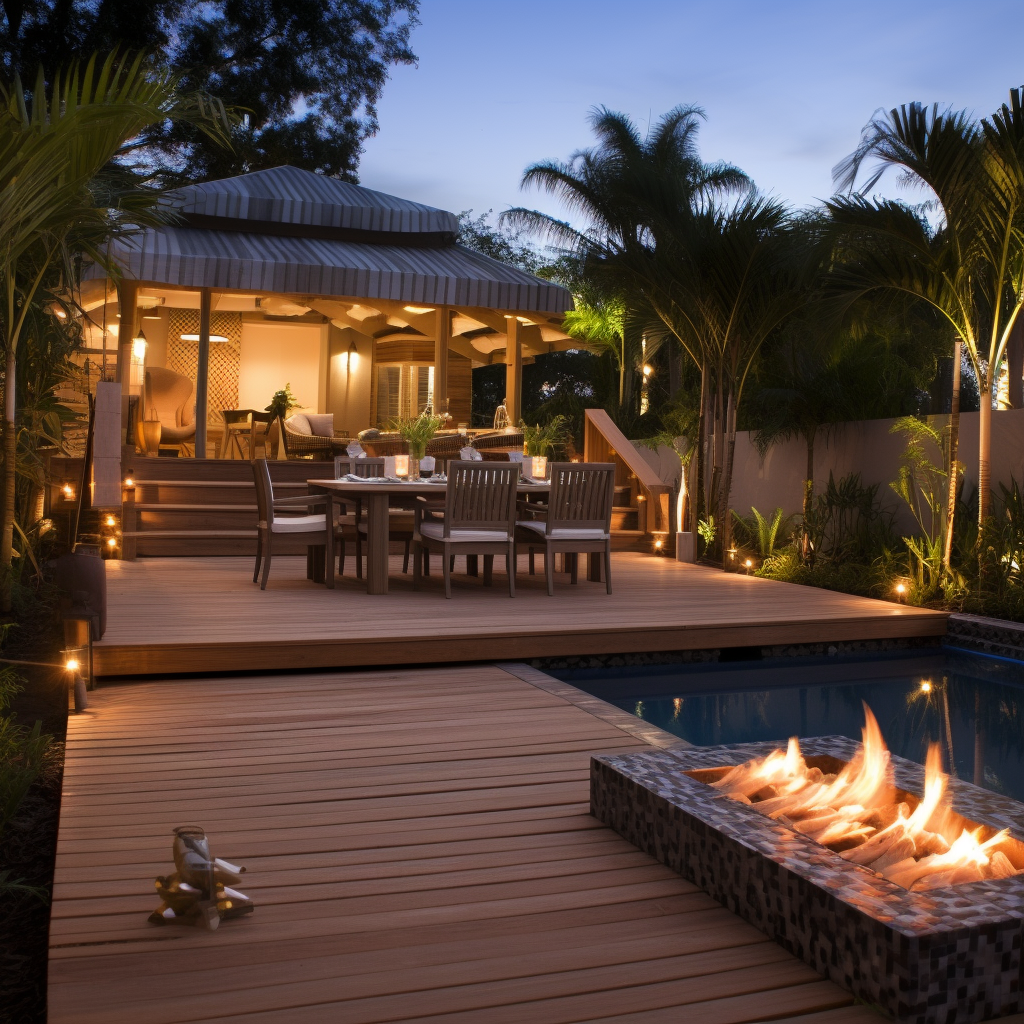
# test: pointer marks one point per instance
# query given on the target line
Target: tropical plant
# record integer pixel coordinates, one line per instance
(848, 523)
(766, 532)
(544, 438)
(58, 200)
(639, 197)
(22, 750)
(971, 267)
(707, 530)
(282, 403)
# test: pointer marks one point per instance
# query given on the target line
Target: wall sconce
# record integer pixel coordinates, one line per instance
(137, 375)
(68, 492)
(129, 484)
(353, 357)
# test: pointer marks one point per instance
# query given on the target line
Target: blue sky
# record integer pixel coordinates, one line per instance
(787, 84)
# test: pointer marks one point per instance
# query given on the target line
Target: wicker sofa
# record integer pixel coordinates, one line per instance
(496, 446)
(310, 436)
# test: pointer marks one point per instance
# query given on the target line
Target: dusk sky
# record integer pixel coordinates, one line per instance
(786, 85)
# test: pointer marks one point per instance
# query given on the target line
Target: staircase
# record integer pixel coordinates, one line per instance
(641, 511)
(184, 507)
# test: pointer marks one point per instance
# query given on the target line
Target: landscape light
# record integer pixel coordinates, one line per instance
(129, 482)
(71, 665)
(112, 542)
(926, 686)
(749, 563)
(901, 588)
(111, 521)
(648, 369)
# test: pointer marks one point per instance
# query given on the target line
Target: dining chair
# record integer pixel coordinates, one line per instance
(578, 518)
(308, 534)
(479, 519)
(400, 520)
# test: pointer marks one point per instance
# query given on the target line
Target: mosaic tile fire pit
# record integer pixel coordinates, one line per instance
(944, 955)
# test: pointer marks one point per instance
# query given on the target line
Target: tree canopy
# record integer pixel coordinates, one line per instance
(305, 75)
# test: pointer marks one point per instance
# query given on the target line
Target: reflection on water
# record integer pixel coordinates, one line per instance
(972, 706)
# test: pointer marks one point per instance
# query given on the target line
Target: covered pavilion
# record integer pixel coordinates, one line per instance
(364, 303)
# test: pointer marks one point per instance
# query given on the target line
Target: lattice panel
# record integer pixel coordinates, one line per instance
(183, 356)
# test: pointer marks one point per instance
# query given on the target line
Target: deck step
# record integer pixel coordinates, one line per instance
(183, 482)
(164, 534)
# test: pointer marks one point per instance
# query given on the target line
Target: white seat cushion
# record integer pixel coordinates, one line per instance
(563, 533)
(435, 531)
(321, 424)
(299, 524)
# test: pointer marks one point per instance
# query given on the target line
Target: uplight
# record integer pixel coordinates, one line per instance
(926, 686)
(749, 563)
(901, 588)
(648, 369)
(71, 664)
(111, 521)
(111, 543)
(418, 310)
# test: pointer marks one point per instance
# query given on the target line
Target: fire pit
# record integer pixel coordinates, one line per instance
(900, 884)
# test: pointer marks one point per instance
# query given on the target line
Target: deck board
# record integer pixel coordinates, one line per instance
(457, 877)
(197, 615)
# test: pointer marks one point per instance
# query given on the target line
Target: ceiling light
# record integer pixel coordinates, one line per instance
(362, 312)
(418, 309)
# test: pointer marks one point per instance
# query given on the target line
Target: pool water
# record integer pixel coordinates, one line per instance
(972, 705)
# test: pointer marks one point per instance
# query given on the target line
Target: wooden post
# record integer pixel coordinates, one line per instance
(203, 372)
(128, 304)
(442, 337)
(514, 370)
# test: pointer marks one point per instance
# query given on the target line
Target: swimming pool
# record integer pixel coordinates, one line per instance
(971, 704)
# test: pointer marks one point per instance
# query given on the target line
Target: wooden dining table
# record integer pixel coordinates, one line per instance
(378, 497)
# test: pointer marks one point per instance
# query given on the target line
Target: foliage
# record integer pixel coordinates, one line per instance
(22, 750)
(500, 243)
(766, 533)
(848, 522)
(707, 530)
(308, 73)
(544, 438)
(418, 431)
(847, 577)
(282, 403)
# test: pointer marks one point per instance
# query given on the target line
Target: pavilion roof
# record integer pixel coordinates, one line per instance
(292, 231)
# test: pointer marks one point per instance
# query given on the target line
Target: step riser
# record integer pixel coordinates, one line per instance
(196, 521)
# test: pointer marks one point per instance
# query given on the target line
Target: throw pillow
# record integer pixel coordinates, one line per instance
(321, 423)
(298, 424)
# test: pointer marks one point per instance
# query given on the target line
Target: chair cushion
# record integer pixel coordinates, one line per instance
(436, 532)
(300, 524)
(321, 424)
(563, 533)
(298, 424)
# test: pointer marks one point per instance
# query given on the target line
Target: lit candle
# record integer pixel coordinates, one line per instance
(539, 467)
(401, 465)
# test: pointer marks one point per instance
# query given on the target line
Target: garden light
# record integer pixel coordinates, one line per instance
(111, 521)
(749, 564)
(129, 482)
(926, 686)
(112, 543)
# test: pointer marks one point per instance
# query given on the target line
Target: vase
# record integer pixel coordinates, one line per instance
(151, 431)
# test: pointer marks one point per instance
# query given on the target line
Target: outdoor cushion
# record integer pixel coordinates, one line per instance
(321, 423)
(300, 524)
(565, 532)
(298, 424)
(436, 532)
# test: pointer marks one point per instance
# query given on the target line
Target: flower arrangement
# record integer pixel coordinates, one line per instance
(417, 432)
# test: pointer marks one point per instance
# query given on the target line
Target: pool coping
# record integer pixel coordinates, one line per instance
(653, 735)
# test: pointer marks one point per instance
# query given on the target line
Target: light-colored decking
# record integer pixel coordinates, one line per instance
(170, 615)
(419, 848)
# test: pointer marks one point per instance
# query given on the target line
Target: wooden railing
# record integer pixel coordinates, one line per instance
(604, 442)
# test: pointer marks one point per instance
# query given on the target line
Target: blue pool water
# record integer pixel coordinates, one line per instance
(972, 705)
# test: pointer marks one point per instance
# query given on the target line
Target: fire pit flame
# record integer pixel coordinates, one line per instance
(858, 813)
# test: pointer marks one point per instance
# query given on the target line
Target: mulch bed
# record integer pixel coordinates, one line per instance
(28, 847)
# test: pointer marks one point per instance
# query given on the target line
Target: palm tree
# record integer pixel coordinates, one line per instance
(628, 191)
(971, 267)
(59, 197)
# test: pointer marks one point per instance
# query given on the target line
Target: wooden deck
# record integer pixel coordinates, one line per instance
(419, 847)
(181, 615)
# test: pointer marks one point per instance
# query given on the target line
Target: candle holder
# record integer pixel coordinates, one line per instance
(539, 467)
(402, 466)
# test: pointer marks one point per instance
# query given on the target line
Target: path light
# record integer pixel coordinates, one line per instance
(111, 543)
(901, 590)
(659, 546)
(749, 564)
(111, 521)
(75, 681)
(129, 483)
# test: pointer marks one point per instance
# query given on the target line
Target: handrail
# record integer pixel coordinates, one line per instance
(602, 440)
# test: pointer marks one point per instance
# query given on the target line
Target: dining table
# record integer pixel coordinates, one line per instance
(378, 496)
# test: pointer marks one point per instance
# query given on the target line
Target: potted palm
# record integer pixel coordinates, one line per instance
(281, 404)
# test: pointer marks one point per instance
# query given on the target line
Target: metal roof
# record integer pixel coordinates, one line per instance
(292, 231)
(289, 195)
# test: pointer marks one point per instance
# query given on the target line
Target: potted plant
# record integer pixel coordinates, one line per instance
(417, 432)
(280, 406)
(540, 441)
